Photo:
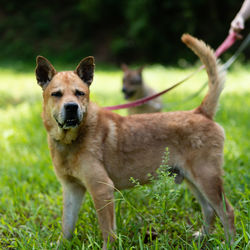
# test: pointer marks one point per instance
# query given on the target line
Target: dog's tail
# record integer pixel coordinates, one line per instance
(216, 75)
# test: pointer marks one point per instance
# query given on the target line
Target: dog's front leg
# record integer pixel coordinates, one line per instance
(103, 196)
(72, 199)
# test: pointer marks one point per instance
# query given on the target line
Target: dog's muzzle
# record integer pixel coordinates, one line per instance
(70, 116)
(128, 94)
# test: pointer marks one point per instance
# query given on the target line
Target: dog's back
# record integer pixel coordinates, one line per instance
(191, 131)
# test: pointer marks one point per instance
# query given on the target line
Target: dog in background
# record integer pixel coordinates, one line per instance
(99, 151)
(133, 88)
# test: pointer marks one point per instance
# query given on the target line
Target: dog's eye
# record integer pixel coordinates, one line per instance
(136, 81)
(57, 94)
(79, 93)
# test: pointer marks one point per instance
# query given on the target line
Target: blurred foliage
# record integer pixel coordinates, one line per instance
(113, 31)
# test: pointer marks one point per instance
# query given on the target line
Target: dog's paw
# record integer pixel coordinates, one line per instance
(199, 235)
(60, 242)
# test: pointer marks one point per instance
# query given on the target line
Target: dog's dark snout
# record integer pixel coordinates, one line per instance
(71, 107)
(71, 114)
(124, 90)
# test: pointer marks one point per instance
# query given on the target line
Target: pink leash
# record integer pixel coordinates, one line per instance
(228, 42)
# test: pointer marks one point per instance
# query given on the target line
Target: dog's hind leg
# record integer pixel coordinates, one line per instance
(211, 186)
(207, 210)
(225, 212)
(72, 199)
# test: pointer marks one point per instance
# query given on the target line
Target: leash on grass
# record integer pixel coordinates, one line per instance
(227, 43)
(225, 66)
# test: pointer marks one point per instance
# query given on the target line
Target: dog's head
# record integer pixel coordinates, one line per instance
(66, 94)
(132, 81)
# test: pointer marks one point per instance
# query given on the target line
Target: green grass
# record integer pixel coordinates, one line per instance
(31, 196)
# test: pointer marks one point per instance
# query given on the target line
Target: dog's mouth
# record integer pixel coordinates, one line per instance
(70, 116)
(129, 94)
(69, 123)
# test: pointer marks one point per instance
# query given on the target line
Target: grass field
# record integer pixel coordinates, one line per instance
(158, 216)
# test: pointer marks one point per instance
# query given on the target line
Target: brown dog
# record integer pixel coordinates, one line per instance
(96, 150)
(133, 88)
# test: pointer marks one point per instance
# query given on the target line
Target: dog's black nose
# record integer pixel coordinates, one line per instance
(71, 107)
(124, 90)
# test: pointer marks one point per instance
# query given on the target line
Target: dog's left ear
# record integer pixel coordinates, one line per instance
(44, 71)
(139, 70)
(124, 67)
(85, 69)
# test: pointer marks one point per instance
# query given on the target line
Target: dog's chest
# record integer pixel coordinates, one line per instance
(65, 159)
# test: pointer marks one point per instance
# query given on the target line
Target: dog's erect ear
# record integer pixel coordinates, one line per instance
(85, 69)
(124, 67)
(139, 70)
(44, 71)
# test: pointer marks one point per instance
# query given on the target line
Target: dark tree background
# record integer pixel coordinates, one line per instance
(111, 30)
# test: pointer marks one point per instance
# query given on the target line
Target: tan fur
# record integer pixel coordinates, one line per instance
(215, 74)
(133, 83)
(106, 149)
